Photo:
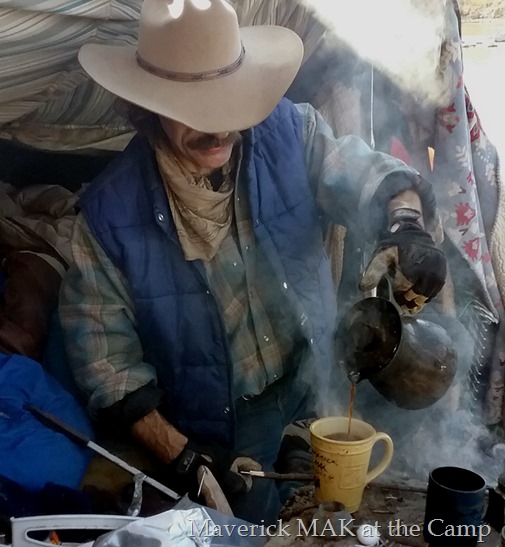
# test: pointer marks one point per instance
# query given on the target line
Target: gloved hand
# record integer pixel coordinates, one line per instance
(224, 465)
(418, 268)
(394, 185)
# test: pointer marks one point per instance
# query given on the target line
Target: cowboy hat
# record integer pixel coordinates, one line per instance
(194, 64)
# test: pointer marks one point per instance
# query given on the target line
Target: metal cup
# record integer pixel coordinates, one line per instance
(455, 507)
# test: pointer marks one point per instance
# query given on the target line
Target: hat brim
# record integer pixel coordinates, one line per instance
(233, 102)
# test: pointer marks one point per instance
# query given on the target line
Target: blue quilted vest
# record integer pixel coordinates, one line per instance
(178, 320)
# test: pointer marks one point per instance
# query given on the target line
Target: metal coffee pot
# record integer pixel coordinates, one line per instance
(410, 361)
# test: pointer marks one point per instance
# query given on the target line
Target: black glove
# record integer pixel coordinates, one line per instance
(418, 268)
(391, 186)
(224, 465)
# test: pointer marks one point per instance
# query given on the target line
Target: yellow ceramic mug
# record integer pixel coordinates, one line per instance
(341, 466)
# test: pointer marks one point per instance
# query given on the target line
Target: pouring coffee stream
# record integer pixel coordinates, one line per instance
(352, 395)
(409, 360)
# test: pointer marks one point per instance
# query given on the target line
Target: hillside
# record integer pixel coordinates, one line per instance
(482, 9)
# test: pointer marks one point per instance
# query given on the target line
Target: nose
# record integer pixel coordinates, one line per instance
(221, 136)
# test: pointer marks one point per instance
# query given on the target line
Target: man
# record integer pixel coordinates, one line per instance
(200, 311)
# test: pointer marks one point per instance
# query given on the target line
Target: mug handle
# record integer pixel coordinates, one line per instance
(386, 459)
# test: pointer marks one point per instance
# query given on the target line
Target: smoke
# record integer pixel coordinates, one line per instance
(404, 42)
(450, 432)
(455, 440)
(399, 38)
(380, 69)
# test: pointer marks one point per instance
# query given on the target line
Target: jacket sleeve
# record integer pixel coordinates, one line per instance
(345, 173)
(102, 344)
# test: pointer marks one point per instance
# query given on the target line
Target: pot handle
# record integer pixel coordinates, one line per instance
(390, 296)
(372, 293)
(386, 459)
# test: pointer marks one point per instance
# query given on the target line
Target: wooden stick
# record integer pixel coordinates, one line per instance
(403, 487)
(279, 476)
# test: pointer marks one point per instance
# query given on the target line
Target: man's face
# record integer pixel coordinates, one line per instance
(206, 151)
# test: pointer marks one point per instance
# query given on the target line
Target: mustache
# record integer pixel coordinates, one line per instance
(211, 141)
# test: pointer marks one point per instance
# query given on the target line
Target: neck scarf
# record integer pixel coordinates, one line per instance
(201, 215)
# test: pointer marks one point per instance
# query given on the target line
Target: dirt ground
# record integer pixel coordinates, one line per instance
(397, 512)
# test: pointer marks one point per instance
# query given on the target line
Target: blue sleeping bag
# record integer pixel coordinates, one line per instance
(31, 454)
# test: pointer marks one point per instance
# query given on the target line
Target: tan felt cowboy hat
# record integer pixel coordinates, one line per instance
(193, 64)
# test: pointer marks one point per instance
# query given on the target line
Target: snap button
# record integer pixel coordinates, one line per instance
(226, 410)
(161, 217)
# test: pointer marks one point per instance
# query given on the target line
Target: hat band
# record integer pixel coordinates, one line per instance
(191, 76)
